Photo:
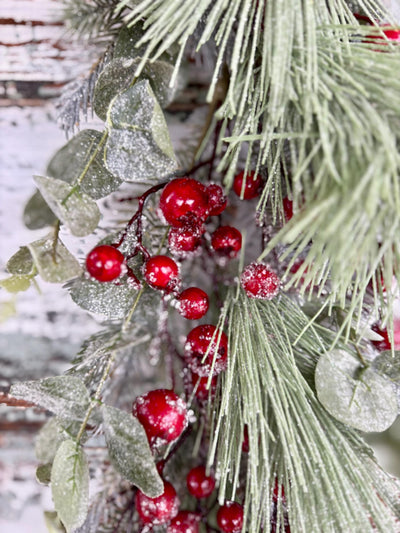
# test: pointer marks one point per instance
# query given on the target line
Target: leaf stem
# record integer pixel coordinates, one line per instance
(55, 241)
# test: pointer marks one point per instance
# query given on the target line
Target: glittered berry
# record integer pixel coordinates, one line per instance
(184, 522)
(248, 188)
(216, 199)
(199, 484)
(226, 241)
(184, 240)
(161, 272)
(105, 263)
(200, 385)
(162, 414)
(193, 303)
(287, 208)
(160, 510)
(260, 282)
(184, 201)
(230, 517)
(202, 340)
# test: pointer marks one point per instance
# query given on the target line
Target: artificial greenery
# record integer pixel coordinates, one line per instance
(306, 95)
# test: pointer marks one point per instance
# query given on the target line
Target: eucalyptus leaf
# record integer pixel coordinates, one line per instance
(66, 396)
(388, 365)
(54, 263)
(53, 523)
(16, 283)
(76, 210)
(50, 437)
(130, 452)
(21, 263)
(37, 214)
(43, 474)
(356, 396)
(138, 147)
(109, 299)
(84, 153)
(70, 484)
(120, 73)
(125, 44)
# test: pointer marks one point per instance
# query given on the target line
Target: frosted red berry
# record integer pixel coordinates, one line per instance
(202, 340)
(184, 522)
(160, 510)
(384, 343)
(184, 201)
(193, 303)
(230, 517)
(184, 240)
(260, 282)
(200, 484)
(217, 200)
(226, 241)
(287, 208)
(162, 414)
(105, 263)
(245, 441)
(161, 272)
(249, 187)
(200, 385)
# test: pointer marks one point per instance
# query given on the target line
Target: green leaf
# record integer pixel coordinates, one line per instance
(66, 396)
(388, 365)
(21, 263)
(37, 214)
(43, 474)
(70, 485)
(53, 523)
(76, 210)
(130, 452)
(16, 283)
(125, 44)
(71, 160)
(51, 435)
(120, 73)
(54, 264)
(138, 147)
(358, 397)
(109, 299)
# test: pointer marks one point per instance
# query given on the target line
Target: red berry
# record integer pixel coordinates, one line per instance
(162, 414)
(193, 303)
(279, 492)
(287, 208)
(249, 190)
(216, 199)
(184, 201)
(202, 393)
(230, 517)
(105, 263)
(202, 340)
(384, 343)
(160, 510)
(183, 240)
(161, 272)
(391, 35)
(245, 442)
(227, 241)
(184, 522)
(260, 282)
(198, 483)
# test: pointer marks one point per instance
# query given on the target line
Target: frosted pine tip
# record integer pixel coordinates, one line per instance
(260, 282)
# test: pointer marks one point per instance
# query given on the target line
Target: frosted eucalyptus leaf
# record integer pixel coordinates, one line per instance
(53, 523)
(120, 73)
(16, 283)
(388, 365)
(66, 396)
(76, 210)
(43, 474)
(51, 435)
(109, 299)
(130, 452)
(70, 484)
(138, 147)
(84, 153)
(21, 263)
(125, 44)
(54, 264)
(358, 397)
(37, 214)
